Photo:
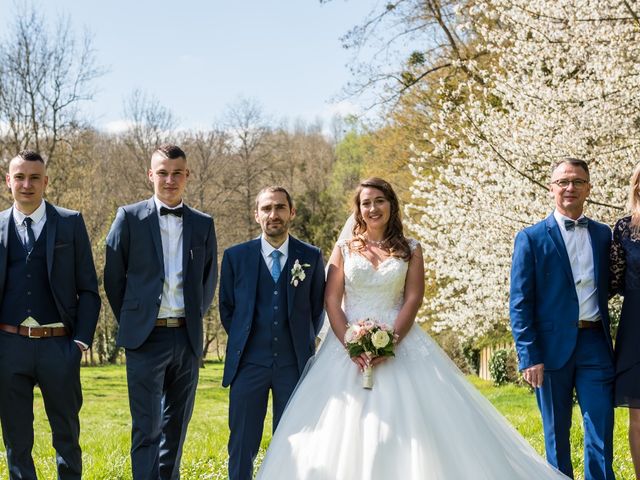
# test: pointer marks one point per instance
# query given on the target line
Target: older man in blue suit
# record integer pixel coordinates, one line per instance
(49, 306)
(560, 321)
(160, 275)
(271, 306)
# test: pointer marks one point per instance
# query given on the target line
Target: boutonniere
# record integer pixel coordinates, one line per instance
(297, 272)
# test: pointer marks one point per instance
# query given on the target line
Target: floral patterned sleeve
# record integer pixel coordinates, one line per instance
(618, 262)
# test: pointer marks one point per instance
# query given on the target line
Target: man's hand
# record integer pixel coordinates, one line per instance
(534, 375)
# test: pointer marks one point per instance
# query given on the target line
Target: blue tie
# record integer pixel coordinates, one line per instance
(571, 224)
(31, 238)
(276, 270)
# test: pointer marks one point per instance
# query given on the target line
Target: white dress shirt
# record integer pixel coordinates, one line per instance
(38, 217)
(172, 303)
(267, 249)
(578, 245)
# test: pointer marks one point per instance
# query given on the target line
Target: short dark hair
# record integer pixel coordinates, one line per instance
(576, 162)
(272, 189)
(30, 156)
(170, 151)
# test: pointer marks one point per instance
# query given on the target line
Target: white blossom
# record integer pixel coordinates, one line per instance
(565, 83)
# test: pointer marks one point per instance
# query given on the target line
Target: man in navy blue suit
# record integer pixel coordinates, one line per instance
(271, 306)
(160, 275)
(560, 321)
(49, 306)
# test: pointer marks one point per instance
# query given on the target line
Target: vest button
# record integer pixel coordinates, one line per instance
(275, 354)
(275, 323)
(275, 339)
(275, 308)
(276, 292)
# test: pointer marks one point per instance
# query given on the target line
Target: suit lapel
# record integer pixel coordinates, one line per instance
(52, 226)
(154, 226)
(251, 267)
(187, 228)
(5, 222)
(596, 251)
(295, 253)
(554, 232)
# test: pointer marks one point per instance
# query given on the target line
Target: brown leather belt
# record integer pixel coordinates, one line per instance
(587, 324)
(34, 332)
(170, 322)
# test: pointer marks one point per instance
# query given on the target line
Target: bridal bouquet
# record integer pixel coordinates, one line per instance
(371, 338)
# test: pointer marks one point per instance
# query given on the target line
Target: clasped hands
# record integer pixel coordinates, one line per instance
(363, 360)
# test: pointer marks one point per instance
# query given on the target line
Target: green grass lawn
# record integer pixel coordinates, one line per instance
(106, 427)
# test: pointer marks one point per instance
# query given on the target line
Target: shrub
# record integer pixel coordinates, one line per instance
(503, 366)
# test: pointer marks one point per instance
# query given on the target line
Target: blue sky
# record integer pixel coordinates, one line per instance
(198, 56)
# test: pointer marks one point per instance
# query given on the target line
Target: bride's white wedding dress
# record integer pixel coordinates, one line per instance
(422, 419)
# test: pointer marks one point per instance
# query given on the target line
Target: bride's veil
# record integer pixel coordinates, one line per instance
(345, 234)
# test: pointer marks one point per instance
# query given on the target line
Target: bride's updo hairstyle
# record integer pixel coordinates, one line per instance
(394, 240)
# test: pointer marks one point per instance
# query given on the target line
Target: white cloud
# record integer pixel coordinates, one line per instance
(342, 109)
(117, 126)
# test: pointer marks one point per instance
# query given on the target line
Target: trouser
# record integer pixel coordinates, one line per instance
(54, 365)
(162, 376)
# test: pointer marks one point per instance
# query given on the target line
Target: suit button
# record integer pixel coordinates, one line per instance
(28, 293)
(276, 292)
(248, 328)
(275, 354)
(238, 352)
(275, 323)
(275, 308)
(28, 275)
(275, 339)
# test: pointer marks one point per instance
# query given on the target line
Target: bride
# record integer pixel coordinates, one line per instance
(422, 419)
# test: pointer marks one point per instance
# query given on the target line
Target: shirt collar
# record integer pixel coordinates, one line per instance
(560, 218)
(267, 248)
(37, 215)
(160, 204)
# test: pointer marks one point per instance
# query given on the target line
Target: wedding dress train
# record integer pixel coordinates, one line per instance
(421, 421)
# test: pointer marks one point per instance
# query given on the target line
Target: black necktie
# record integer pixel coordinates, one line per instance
(571, 224)
(171, 211)
(31, 238)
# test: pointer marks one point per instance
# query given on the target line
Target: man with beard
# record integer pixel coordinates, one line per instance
(271, 306)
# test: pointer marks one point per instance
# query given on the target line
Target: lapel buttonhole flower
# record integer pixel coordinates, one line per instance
(297, 272)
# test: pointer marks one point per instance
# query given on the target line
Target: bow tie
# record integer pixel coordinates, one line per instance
(171, 211)
(571, 224)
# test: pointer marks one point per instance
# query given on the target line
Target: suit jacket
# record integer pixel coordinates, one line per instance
(134, 271)
(70, 268)
(238, 284)
(543, 299)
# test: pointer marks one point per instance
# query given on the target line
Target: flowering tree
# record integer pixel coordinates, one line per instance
(563, 81)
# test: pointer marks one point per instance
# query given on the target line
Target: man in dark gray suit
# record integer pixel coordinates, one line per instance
(160, 276)
(49, 306)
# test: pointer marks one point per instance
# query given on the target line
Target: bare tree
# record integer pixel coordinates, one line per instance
(151, 124)
(253, 145)
(45, 74)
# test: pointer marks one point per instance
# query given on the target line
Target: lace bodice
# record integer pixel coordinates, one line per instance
(625, 258)
(371, 292)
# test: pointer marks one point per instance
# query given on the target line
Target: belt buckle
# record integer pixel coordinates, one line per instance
(32, 336)
(173, 322)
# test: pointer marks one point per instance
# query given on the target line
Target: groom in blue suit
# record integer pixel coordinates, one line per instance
(159, 276)
(271, 306)
(560, 322)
